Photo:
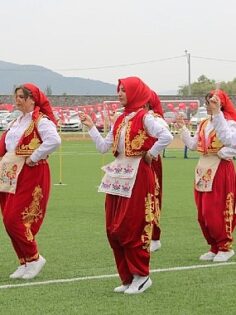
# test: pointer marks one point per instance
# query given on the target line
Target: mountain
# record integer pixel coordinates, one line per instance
(12, 74)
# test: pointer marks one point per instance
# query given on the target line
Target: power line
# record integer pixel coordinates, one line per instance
(25, 67)
(215, 59)
(121, 65)
(95, 68)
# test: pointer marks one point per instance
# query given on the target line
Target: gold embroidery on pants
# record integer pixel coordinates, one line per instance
(32, 258)
(22, 261)
(149, 217)
(32, 213)
(157, 215)
(228, 218)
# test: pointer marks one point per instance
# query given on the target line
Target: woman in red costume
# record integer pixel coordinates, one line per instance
(215, 181)
(155, 108)
(129, 182)
(25, 175)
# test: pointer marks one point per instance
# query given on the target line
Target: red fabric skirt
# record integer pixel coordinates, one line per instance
(24, 211)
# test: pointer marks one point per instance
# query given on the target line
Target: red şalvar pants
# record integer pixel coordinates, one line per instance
(129, 223)
(23, 212)
(157, 165)
(216, 209)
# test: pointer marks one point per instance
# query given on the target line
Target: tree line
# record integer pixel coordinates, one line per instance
(203, 85)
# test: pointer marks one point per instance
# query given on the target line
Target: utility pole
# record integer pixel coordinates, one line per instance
(189, 71)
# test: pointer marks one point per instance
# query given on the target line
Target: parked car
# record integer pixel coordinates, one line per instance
(3, 119)
(200, 115)
(71, 122)
(170, 117)
(13, 115)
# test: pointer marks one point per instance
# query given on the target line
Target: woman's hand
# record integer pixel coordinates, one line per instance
(86, 120)
(180, 121)
(214, 104)
(148, 158)
(113, 117)
(29, 162)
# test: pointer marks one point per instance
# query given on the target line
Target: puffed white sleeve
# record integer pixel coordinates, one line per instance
(225, 130)
(188, 140)
(50, 140)
(102, 144)
(159, 131)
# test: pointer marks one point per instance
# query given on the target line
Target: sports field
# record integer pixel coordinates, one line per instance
(80, 273)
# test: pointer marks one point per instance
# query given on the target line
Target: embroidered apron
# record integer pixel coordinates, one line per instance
(120, 176)
(10, 168)
(205, 172)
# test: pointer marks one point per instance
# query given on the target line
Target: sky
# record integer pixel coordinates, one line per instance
(106, 40)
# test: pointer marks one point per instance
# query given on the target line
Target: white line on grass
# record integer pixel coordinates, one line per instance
(28, 284)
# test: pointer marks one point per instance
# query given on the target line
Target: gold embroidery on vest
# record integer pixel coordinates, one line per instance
(33, 145)
(216, 143)
(136, 143)
(128, 150)
(149, 217)
(117, 136)
(27, 149)
(29, 130)
(32, 213)
(138, 140)
(201, 142)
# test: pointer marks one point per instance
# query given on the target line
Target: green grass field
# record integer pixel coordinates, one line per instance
(73, 241)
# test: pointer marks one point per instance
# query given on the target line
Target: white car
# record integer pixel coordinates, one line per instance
(3, 119)
(71, 122)
(200, 115)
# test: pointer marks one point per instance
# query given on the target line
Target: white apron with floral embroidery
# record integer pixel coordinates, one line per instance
(120, 176)
(10, 168)
(205, 172)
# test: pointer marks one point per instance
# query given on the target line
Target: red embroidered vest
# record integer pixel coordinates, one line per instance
(3, 149)
(30, 140)
(137, 140)
(210, 145)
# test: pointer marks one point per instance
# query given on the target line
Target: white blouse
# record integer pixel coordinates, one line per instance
(47, 131)
(154, 129)
(225, 129)
(226, 152)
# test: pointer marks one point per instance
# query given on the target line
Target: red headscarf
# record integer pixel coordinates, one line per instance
(227, 105)
(137, 93)
(41, 102)
(155, 104)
